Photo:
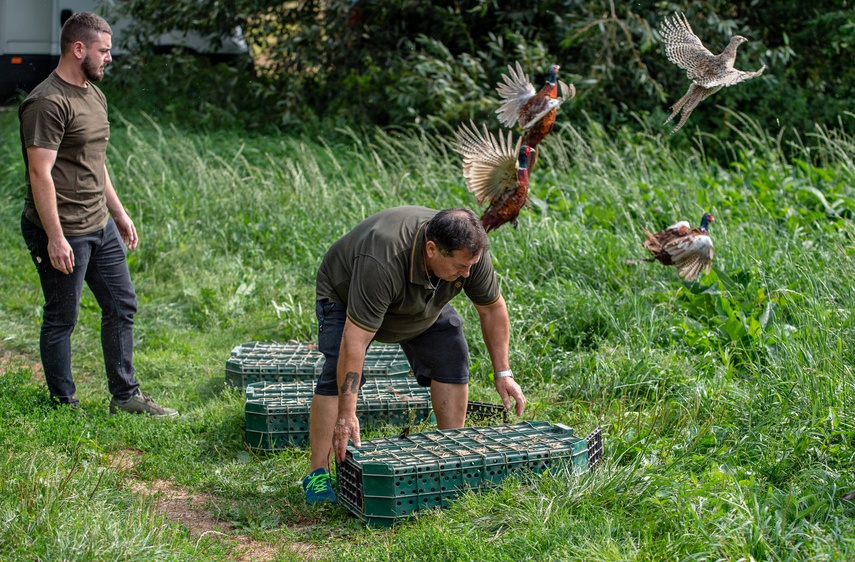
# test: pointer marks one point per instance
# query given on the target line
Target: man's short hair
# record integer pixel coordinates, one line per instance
(84, 27)
(457, 229)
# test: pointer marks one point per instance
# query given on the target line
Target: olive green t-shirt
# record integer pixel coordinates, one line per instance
(73, 121)
(377, 270)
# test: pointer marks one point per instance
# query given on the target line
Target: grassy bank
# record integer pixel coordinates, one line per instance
(724, 404)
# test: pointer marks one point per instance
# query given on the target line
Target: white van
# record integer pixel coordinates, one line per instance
(29, 41)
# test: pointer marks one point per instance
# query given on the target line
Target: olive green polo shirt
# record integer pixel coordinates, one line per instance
(71, 120)
(378, 271)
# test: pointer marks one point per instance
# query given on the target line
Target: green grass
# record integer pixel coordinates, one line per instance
(724, 403)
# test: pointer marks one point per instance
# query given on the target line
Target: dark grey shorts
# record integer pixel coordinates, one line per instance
(440, 353)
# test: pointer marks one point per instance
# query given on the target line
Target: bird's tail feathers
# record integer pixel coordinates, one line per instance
(635, 261)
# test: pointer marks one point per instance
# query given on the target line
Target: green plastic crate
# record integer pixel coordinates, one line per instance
(595, 447)
(483, 411)
(254, 362)
(390, 479)
(277, 414)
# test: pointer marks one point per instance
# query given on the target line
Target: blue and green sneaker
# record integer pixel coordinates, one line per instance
(318, 487)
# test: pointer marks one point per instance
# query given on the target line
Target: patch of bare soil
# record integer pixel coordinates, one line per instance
(10, 360)
(175, 503)
(194, 512)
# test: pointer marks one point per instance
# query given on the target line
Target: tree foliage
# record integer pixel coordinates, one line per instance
(399, 62)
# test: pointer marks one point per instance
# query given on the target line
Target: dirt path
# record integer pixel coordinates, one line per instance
(196, 512)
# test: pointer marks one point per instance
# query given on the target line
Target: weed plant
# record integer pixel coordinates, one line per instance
(723, 402)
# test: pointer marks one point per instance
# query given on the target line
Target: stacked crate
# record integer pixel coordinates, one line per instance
(279, 380)
(254, 362)
(390, 479)
(277, 414)
(484, 411)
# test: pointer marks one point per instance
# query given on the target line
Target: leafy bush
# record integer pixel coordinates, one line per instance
(183, 88)
(404, 62)
(733, 313)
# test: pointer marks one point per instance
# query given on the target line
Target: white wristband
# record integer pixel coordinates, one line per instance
(502, 374)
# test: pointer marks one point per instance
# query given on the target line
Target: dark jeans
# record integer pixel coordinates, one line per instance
(100, 261)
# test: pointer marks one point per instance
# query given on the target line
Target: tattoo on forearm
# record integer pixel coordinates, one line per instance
(351, 380)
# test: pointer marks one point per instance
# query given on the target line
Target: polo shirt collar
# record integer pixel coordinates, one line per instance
(417, 259)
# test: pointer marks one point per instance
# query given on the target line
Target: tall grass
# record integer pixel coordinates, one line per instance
(724, 403)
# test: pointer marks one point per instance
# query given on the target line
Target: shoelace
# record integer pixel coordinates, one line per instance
(318, 482)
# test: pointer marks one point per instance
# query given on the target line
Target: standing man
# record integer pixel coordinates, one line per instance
(73, 222)
(390, 279)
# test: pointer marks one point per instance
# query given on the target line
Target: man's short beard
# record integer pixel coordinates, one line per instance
(93, 73)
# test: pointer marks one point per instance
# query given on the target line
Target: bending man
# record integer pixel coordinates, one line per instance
(390, 279)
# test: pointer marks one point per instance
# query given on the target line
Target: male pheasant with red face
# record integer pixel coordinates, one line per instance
(496, 171)
(534, 111)
(709, 73)
(689, 250)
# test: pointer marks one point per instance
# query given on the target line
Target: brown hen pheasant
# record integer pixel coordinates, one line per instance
(709, 73)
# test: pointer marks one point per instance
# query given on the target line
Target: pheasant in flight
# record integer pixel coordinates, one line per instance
(709, 73)
(496, 172)
(534, 111)
(689, 250)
